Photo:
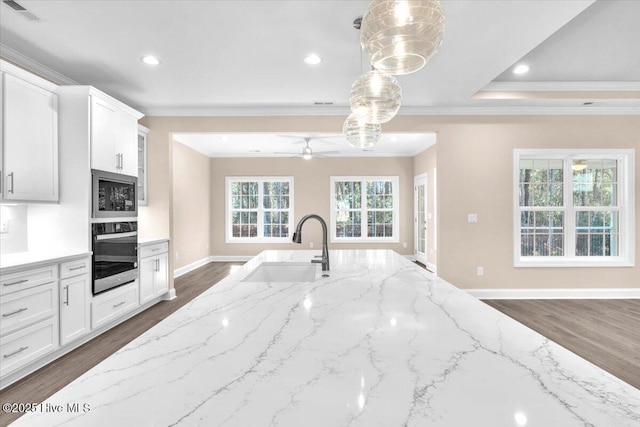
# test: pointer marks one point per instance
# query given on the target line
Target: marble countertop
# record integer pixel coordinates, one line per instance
(381, 342)
(142, 241)
(20, 260)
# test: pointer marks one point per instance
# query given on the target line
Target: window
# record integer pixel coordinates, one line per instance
(574, 208)
(364, 209)
(259, 209)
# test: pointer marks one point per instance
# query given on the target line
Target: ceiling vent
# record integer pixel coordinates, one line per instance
(21, 10)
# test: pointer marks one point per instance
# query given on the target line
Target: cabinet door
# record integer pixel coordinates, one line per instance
(74, 308)
(30, 141)
(104, 119)
(127, 143)
(161, 278)
(147, 275)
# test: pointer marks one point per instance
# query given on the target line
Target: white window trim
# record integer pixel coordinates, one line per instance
(626, 194)
(260, 179)
(365, 239)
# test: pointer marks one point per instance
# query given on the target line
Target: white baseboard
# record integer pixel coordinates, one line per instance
(204, 261)
(170, 295)
(190, 267)
(614, 293)
(432, 267)
(411, 258)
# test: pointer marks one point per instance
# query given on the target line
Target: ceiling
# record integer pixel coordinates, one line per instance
(245, 58)
(291, 145)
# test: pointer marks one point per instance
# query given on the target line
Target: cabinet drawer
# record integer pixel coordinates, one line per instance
(155, 249)
(23, 308)
(111, 305)
(26, 345)
(75, 268)
(28, 279)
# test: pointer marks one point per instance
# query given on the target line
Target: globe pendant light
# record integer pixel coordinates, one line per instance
(400, 36)
(359, 133)
(375, 97)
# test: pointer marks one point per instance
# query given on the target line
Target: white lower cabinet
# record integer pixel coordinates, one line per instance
(74, 308)
(28, 344)
(113, 304)
(154, 271)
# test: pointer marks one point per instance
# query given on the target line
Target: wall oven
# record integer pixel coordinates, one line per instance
(115, 254)
(114, 195)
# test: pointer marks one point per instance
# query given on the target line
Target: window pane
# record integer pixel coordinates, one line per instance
(348, 195)
(541, 182)
(542, 233)
(595, 183)
(597, 233)
(380, 224)
(349, 225)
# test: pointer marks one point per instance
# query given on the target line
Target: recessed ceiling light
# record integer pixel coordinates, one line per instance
(150, 60)
(521, 69)
(312, 59)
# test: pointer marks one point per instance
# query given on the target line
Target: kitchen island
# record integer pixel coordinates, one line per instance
(381, 342)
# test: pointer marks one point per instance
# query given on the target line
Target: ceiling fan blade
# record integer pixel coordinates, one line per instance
(288, 154)
(326, 152)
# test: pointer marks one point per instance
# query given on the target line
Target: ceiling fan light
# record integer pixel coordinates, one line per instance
(376, 97)
(359, 133)
(401, 36)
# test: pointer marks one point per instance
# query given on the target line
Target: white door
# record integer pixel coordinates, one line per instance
(161, 277)
(74, 308)
(104, 119)
(30, 141)
(127, 143)
(420, 217)
(147, 276)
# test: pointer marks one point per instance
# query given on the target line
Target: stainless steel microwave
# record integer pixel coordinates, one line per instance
(113, 195)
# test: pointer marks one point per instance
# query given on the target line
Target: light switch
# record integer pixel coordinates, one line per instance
(473, 218)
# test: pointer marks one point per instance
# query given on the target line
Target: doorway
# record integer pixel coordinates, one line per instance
(420, 217)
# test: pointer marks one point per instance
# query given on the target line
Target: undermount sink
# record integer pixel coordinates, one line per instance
(283, 272)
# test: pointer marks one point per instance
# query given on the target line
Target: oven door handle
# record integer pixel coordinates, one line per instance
(115, 235)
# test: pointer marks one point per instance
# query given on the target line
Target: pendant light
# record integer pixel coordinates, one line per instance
(376, 97)
(359, 133)
(400, 36)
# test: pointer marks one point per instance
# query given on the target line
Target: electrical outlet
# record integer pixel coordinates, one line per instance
(177, 256)
(310, 245)
(472, 218)
(480, 271)
(404, 245)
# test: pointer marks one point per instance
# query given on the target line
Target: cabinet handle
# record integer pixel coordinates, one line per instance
(10, 189)
(20, 350)
(76, 268)
(121, 161)
(20, 310)
(117, 160)
(66, 288)
(157, 265)
(15, 283)
(119, 304)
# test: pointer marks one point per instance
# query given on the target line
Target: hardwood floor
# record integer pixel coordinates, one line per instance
(604, 332)
(46, 381)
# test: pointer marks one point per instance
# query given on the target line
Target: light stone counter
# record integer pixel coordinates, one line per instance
(381, 342)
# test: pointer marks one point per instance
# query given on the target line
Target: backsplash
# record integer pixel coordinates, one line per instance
(15, 238)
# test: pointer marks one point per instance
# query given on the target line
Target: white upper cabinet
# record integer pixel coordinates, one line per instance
(127, 143)
(104, 117)
(114, 137)
(30, 130)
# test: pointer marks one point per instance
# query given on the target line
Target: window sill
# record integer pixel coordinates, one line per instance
(575, 262)
(261, 240)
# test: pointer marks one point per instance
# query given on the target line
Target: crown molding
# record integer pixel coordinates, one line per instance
(561, 87)
(248, 111)
(35, 67)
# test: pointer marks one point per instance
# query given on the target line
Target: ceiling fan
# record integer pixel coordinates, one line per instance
(307, 153)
